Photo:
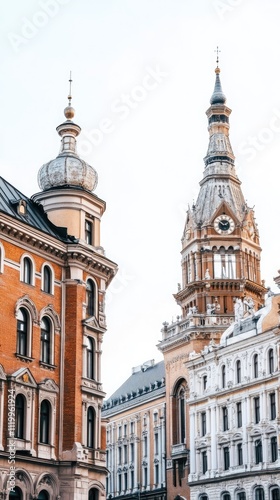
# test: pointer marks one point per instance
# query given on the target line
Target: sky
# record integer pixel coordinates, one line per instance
(143, 74)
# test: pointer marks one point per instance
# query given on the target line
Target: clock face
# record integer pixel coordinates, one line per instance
(224, 224)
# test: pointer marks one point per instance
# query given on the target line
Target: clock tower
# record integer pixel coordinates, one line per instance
(221, 280)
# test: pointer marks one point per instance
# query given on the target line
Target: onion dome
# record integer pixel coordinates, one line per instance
(68, 169)
(218, 97)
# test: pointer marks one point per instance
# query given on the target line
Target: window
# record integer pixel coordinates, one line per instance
(275, 493)
(16, 494)
(258, 451)
(223, 371)
(20, 417)
(241, 495)
(47, 279)
(224, 264)
(45, 415)
(156, 474)
(274, 451)
(203, 497)
(125, 481)
(22, 332)
(43, 495)
(132, 479)
(90, 358)
(257, 409)
(256, 366)
(125, 453)
(204, 382)
(90, 427)
(204, 462)
(239, 454)
(125, 430)
(90, 298)
(93, 494)
(238, 371)
(239, 414)
(181, 416)
(145, 446)
(132, 452)
(27, 271)
(119, 484)
(46, 341)
(259, 494)
(145, 477)
(226, 458)
(272, 406)
(226, 496)
(203, 423)
(88, 232)
(270, 361)
(132, 427)
(156, 443)
(119, 455)
(225, 418)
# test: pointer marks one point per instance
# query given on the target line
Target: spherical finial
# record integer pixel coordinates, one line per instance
(69, 112)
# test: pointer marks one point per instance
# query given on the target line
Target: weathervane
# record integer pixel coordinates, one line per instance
(70, 90)
(217, 51)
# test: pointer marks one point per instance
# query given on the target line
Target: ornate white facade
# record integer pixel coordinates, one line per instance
(234, 411)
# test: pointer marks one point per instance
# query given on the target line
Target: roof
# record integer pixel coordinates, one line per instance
(144, 383)
(34, 215)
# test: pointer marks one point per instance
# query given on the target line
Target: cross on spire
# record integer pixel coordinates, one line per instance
(70, 90)
(217, 52)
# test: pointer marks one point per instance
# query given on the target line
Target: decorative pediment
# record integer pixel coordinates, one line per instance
(23, 376)
(93, 323)
(222, 209)
(49, 311)
(48, 385)
(26, 302)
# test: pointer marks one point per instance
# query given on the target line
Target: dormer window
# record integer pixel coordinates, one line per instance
(22, 207)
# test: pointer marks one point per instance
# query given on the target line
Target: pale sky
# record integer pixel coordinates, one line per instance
(143, 74)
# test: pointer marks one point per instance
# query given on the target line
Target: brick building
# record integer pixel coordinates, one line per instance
(53, 280)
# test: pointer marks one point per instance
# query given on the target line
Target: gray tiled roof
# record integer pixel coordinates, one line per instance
(140, 386)
(35, 215)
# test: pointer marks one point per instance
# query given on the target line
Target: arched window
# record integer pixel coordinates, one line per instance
(223, 373)
(90, 298)
(90, 427)
(256, 366)
(258, 451)
(45, 417)
(43, 495)
(27, 270)
(259, 494)
(224, 264)
(90, 358)
(241, 495)
(46, 341)
(203, 497)
(93, 494)
(270, 361)
(22, 332)
(181, 416)
(20, 417)
(238, 371)
(274, 493)
(47, 279)
(16, 494)
(226, 496)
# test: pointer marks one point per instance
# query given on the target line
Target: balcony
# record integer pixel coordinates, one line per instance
(179, 451)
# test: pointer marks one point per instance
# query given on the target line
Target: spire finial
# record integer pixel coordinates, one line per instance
(217, 52)
(70, 90)
(69, 112)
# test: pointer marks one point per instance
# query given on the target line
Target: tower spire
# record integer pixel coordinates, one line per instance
(70, 90)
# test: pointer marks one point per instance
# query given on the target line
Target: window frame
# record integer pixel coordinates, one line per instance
(256, 365)
(91, 296)
(45, 422)
(20, 417)
(238, 371)
(270, 356)
(226, 458)
(46, 344)
(225, 418)
(257, 415)
(239, 414)
(91, 417)
(47, 279)
(90, 358)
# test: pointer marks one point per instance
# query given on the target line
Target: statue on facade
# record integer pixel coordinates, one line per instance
(238, 310)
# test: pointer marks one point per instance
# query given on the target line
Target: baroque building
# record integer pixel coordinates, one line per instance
(136, 426)
(221, 256)
(53, 280)
(234, 417)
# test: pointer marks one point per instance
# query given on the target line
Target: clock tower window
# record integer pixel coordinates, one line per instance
(224, 265)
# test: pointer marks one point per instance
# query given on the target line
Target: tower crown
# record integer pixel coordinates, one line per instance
(68, 169)
(218, 97)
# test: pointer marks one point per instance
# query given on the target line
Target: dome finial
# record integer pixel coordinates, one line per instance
(69, 111)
